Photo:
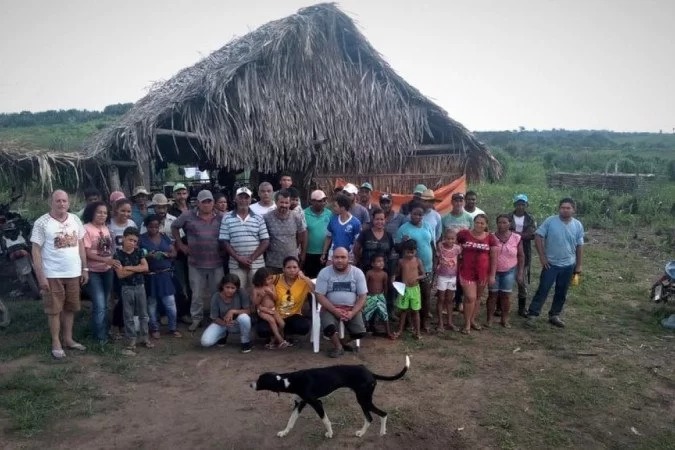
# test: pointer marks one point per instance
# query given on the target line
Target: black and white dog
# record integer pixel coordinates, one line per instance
(310, 385)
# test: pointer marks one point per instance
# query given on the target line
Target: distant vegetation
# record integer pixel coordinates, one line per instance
(62, 116)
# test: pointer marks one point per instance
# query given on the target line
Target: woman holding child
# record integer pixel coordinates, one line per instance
(292, 288)
(510, 264)
(477, 268)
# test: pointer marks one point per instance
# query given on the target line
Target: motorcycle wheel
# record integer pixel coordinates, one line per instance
(4, 315)
(33, 286)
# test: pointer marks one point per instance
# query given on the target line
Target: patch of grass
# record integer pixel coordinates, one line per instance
(32, 397)
(27, 333)
(466, 369)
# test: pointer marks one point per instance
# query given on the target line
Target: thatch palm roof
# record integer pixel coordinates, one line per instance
(22, 163)
(307, 91)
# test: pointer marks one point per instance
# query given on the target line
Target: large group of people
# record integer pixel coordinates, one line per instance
(253, 267)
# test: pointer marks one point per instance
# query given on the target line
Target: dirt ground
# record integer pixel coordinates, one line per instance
(606, 381)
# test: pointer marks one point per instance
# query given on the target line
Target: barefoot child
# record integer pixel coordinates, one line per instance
(264, 299)
(376, 302)
(446, 272)
(410, 271)
(132, 290)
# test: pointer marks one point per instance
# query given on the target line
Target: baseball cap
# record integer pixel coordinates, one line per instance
(386, 197)
(244, 190)
(520, 198)
(179, 186)
(419, 189)
(350, 189)
(116, 195)
(318, 195)
(458, 195)
(367, 185)
(160, 200)
(139, 190)
(204, 195)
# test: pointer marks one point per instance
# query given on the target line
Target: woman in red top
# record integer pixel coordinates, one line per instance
(477, 268)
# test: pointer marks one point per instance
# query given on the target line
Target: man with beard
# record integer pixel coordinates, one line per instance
(245, 237)
(341, 290)
(205, 266)
(265, 203)
(559, 241)
(470, 204)
(357, 210)
(365, 193)
(288, 234)
(161, 206)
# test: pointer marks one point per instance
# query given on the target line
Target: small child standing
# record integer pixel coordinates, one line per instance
(411, 271)
(376, 302)
(265, 300)
(132, 290)
(446, 272)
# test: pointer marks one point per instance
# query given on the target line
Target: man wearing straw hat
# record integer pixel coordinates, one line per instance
(161, 206)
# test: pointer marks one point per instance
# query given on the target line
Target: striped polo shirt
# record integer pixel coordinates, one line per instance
(244, 236)
(202, 239)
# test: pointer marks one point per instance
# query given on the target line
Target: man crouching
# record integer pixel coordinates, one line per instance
(341, 290)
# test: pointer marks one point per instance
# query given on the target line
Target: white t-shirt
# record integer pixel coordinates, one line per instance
(262, 210)
(519, 222)
(117, 232)
(59, 244)
(475, 212)
(165, 228)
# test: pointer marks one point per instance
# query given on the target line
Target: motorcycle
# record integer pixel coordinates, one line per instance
(664, 287)
(15, 245)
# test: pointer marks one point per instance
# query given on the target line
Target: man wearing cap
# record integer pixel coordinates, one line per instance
(457, 218)
(470, 199)
(180, 200)
(417, 193)
(431, 216)
(357, 210)
(245, 237)
(365, 191)
(287, 233)
(525, 225)
(317, 217)
(139, 209)
(205, 266)
(265, 203)
(161, 206)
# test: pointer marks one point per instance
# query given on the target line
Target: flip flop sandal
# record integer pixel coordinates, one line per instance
(175, 334)
(465, 331)
(148, 344)
(270, 346)
(76, 346)
(58, 354)
(476, 327)
(283, 344)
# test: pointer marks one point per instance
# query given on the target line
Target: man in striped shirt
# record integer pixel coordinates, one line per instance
(205, 265)
(244, 235)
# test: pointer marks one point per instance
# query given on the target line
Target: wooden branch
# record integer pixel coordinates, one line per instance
(176, 133)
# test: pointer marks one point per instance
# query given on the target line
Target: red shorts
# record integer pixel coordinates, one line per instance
(473, 274)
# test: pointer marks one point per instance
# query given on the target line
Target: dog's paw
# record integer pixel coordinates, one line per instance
(282, 433)
(383, 432)
(359, 433)
(329, 434)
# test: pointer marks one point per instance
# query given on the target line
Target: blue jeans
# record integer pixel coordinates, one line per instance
(561, 276)
(99, 288)
(215, 332)
(504, 281)
(169, 303)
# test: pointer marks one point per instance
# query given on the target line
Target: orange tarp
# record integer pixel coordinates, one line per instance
(443, 194)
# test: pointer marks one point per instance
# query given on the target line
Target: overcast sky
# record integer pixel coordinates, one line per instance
(492, 64)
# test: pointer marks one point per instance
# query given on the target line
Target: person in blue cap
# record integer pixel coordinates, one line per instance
(524, 224)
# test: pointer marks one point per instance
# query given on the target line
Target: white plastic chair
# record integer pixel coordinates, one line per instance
(315, 337)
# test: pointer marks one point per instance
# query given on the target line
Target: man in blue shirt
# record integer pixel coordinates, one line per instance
(559, 241)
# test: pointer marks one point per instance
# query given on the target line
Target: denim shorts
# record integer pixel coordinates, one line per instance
(504, 281)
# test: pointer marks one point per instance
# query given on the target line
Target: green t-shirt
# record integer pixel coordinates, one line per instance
(316, 229)
(461, 222)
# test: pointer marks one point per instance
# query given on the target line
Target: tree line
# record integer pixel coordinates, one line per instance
(61, 116)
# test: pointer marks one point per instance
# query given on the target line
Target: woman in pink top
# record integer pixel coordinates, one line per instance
(98, 244)
(510, 262)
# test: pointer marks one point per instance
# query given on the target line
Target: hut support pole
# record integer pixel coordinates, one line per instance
(114, 178)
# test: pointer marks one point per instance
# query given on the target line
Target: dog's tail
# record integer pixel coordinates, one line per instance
(398, 375)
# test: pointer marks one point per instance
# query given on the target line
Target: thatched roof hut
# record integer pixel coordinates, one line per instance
(22, 164)
(307, 93)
